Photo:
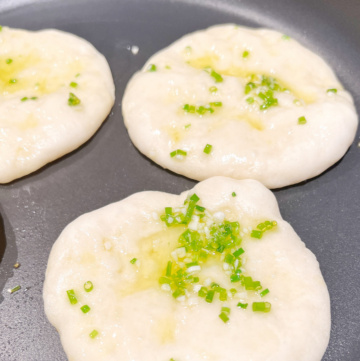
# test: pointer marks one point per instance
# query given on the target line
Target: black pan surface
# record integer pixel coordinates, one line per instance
(34, 210)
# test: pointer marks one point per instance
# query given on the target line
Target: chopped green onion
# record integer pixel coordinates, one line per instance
(208, 148)
(216, 104)
(256, 234)
(224, 317)
(72, 297)
(264, 293)
(93, 333)
(333, 90)
(245, 54)
(235, 277)
(85, 309)
(233, 194)
(33, 98)
(15, 289)
(168, 269)
(218, 78)
(178, 152)
(73, 84)
(261, 306)
(203, 292)
(1, 28)
(210, 296)
(88, 286)
(213, 89)
(200, 209)
(249, 87)
(302, 120)
(13, 81)
(73, 100)
(152, 67)
(9, 61)
(250, 100)
(225, 309)
(187, 126)
(242, 305)
(238, 252)
(24, 99)
(133, 261)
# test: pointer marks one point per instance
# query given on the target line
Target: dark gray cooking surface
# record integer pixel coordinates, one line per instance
(35, 209)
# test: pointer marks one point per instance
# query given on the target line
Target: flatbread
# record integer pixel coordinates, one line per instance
(40, 120)
(124, 247)
(170, 105)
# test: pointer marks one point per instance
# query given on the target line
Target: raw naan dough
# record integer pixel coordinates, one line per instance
(37, 125)
(268, 145)
(136, 320)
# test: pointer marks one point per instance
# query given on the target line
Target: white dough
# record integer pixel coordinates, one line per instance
(136, 320)
(34, 132)
(267, 145)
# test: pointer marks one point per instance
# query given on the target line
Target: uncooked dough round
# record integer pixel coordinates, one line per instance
(123, 248)
(56, 89)
(242, 91)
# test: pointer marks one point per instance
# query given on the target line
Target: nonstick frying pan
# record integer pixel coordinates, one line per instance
(34, 210)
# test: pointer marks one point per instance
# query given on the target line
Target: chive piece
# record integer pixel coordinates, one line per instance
(168, 269)
(264, 293)
(213, 89)
(218, 78)
(233, 194)
(333, 90)
(133, 260)
(249, 87)
(210, 296)
(302, 120)
(72, 297)
(9, 61)
(242, 305)
(250, 100)
(208, 148)
(203, 292)
(24, 99)
(216, 104)
(34, 98)
(73, 84)
(238, 252)
(225, 309)
(261, 306)
(13, 81)
(152, 68)
(187, 126)
(93, 334)
(85, 309)
(256, 234)
(235, 277)
(88, 286)
(15, 289)
(200, 209)
(73, 100)
(1, 28)
(178, 152)
(245, 54)
(224, 317)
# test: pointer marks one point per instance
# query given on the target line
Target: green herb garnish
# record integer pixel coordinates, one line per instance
(73, 100)
(88, 286)
(72, 297)
(93, 334)
(302, 120)
(152, 68)
(85, 309)
(208, 148)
